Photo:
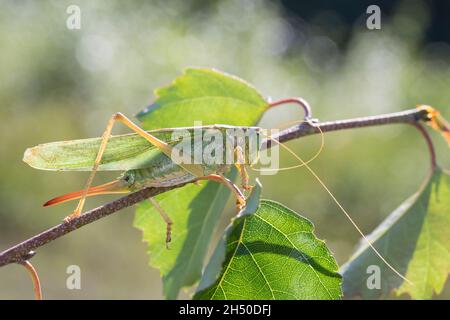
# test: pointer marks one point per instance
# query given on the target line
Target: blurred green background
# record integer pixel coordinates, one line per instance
(60, 84)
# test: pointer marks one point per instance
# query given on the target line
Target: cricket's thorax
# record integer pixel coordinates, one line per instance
(215, 138)
(162, 170)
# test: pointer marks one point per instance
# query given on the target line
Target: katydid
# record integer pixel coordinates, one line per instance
(148, 162)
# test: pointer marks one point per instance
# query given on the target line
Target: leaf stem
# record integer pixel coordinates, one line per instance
(430, 145)
(300, 101)
(34, 277)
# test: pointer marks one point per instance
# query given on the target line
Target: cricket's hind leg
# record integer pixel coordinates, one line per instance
(166, 219)
(240, 198)
(164, 147)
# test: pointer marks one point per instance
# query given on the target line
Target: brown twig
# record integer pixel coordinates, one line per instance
(307, 128)
(23, 251)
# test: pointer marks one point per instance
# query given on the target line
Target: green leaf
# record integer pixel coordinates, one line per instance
(195, 211)
(204, 95)
(414, 239)
(212, 97)
(272, 254)
(215, 263)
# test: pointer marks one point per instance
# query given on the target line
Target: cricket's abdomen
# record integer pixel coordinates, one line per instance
(165, 173)
(143, 178)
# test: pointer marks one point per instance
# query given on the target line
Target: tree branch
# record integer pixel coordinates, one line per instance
(24, 251)
(411, 116)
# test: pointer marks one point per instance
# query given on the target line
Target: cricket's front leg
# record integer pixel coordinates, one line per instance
(240, 166)
(240, 198)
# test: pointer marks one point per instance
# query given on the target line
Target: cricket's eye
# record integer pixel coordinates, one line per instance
(129, 178)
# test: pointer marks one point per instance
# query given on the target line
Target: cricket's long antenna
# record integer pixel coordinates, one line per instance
(342, 209)
(322, 144)
(307, 118)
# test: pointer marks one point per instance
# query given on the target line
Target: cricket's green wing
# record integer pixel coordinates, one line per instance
(123, 152)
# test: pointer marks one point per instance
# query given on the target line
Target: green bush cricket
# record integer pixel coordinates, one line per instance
(146, 157)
